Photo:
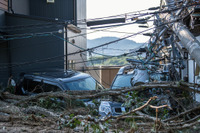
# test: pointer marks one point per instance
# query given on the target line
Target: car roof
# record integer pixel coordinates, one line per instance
(65, 76)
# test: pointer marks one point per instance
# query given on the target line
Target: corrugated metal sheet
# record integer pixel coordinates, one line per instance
(63, 9)
(4, 4)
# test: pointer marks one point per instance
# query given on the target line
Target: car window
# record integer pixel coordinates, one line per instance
(33, 86)
(50, 87)
(122, 81)
(84, 84)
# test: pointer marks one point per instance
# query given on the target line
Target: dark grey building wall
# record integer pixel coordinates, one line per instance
(35, 53)
(64, 9)
(21, 6)
(4, 62)
(2, 18)
(4, 56)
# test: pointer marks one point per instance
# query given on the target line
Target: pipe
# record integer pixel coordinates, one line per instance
(186, 38)
(10, 6)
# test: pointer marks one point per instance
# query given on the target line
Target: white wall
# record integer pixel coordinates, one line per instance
(191, 71)
(81, 40)
(184, 71)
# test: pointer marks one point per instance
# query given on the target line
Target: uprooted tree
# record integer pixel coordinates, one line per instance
(163, 106)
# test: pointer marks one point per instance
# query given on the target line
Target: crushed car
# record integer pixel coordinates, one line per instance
(58, 80)
(39, 82)
(129, 76)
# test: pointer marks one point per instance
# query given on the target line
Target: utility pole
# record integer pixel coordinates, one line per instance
(184, 35)
(73, 29)
(65, 48)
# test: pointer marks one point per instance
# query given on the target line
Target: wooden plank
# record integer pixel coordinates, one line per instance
(3, 7)
(4, 4)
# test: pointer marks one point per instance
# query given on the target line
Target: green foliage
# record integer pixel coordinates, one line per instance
(118, 130)
(132, 100)
(94, 112)
(11, 89)
(115, 61)
(75, 123)
(132, 123)
(96, 102)
(49, 103)
(59, 104)
(96, 128)
(165, 113)
(71, 116)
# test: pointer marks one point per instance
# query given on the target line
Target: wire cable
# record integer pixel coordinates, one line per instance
(81, 51)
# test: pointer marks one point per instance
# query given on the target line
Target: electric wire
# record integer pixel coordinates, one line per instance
(94, 71)
(51, 58)
(96, 27)
(55, 57)
(63, 21)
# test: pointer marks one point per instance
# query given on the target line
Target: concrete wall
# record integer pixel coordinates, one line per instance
(191, 71)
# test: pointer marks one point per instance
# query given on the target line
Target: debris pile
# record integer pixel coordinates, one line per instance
(44, 112)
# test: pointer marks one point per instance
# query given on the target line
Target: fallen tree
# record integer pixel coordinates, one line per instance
(96, 94)
(22, 109)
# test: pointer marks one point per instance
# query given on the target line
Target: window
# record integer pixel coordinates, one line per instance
(50, 87)
(84, 84)
(33, 86)
(122, 81)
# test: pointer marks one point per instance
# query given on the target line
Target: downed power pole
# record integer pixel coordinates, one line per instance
(185, 36)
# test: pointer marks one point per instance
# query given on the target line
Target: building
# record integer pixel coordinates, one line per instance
(38, 35)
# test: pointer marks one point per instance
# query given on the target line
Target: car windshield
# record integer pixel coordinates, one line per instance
(122, 81)
(84, 84)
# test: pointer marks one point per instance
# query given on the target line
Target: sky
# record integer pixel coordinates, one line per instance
(104, 8)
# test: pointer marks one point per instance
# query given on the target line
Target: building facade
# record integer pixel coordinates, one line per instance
(40, 35)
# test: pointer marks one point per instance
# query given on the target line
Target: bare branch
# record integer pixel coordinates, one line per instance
(181, 114)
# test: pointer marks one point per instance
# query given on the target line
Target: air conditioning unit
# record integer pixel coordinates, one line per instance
(50, 1)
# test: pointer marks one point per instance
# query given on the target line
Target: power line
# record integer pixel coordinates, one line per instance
(90, 49)
(65, 23)
(30, 45)
(94, 70)
(28, 35)
(34, 25)
(56, 57)
(40, 34)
